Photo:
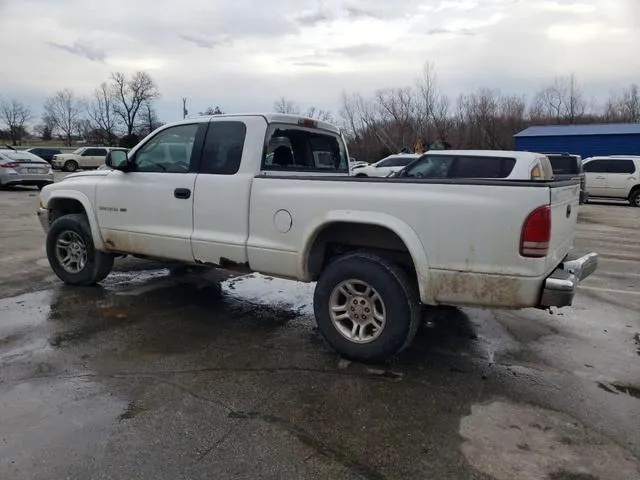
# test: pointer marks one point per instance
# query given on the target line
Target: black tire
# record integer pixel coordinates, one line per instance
(634, 198)
(70, 166)
(400, 298)
(98, 264)
(361, 175)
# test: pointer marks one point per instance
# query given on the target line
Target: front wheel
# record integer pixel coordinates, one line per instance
(634, 198)
(71, 252)
(366, 307)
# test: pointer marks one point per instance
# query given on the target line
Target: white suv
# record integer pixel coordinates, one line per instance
(85, 157)
(615, 177)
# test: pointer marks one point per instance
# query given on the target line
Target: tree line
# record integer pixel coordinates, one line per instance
(395, 119)
(120, 111)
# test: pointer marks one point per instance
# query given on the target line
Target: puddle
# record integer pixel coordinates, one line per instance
(258, 289)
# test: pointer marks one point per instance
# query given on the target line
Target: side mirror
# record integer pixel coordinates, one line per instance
(117, 159)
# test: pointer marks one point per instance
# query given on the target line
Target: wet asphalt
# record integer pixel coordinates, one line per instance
(161, 374)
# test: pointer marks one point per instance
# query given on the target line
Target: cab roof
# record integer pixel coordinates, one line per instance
(298, 120)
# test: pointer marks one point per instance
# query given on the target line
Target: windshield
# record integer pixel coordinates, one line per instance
(79, 150)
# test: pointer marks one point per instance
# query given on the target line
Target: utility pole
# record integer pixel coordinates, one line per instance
(185, 112)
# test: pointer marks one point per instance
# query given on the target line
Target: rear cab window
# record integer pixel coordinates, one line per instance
(291, 148)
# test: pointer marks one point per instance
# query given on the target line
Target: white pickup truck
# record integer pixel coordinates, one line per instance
(272, 194)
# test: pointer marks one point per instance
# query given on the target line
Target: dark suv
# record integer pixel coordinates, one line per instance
(567, 166)
(44, 153)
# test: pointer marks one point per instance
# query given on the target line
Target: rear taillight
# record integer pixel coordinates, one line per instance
(536, 173)
(536, 233)
(10, 165)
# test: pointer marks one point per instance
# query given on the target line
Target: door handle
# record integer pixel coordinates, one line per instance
(182, 193)
(601, 178)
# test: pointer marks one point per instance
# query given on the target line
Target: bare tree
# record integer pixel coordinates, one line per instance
(129, 94)
(102, 114)
(624, 107)
(351, 121)
(282, 105)
(319, 114)
(563, 102)
(149, 120)
(14, 114)
(433, 106)
(212, 111)
(64, 111)
(398, 110)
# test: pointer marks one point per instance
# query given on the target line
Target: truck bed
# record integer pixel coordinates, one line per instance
(468, 229)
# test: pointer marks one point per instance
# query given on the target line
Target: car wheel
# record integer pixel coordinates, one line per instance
(366, 307)
(71, 252)
(634, 198)
(70, 166)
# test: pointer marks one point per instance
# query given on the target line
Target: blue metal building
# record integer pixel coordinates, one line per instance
(583, 140)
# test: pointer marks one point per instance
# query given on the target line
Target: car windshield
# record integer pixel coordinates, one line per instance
(78, 151)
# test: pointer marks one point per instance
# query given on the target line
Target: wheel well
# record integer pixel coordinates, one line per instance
(339, 238)
(634, 190)
(59, 207)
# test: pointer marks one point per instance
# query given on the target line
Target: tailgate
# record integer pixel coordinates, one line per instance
(564, 217)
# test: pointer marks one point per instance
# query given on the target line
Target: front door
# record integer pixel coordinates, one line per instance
(149, 210)
(596, 178)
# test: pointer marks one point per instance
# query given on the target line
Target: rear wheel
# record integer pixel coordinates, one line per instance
(71, 252)
(70, 166)
(634, 198)
(366, 307)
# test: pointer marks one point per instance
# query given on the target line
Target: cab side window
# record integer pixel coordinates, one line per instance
(168, 151)
(223, 147)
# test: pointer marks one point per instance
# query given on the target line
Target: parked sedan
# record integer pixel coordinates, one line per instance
(45, 153)
(23, 168)
(485, 164)
(385, 167)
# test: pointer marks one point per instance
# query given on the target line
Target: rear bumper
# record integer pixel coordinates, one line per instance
(560, 286)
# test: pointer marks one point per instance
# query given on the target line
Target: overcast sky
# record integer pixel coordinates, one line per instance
(243, 54)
